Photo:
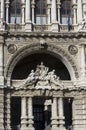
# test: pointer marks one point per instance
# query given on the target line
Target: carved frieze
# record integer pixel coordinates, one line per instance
(37, 92)
(74, 92)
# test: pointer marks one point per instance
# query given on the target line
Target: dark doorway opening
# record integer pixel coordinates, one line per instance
(15, 113)
(42, 116)
(68, 113)
(39, 121)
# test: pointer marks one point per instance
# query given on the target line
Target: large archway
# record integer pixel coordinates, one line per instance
(24, 66)
(53, 50)
(27, 59)
(22, 70)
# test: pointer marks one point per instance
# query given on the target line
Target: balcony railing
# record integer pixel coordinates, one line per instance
(13, 27)
(64, 28)
(38, 28)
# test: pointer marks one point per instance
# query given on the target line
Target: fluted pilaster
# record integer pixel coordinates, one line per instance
(54, 118)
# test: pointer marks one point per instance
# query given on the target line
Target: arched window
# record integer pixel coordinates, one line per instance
(66, 10)
(41, 12)
(15, 11)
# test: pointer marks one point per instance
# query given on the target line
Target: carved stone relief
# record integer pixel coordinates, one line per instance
(73, 49)
(41, 78)
(51, 48)
(12, 48)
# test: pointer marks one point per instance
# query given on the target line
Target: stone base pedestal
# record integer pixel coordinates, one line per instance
(2, 128)
(1, 81)
(2, 26)
(24, 128)
(28, 26)
(55, 27)
(62, 128)
(55, 128)
(75, 27)
(8, 128)
(31, 128)
(54, 124)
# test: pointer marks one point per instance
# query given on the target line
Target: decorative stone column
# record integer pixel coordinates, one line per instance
(48, 11)
(30, 114)
(2, 10)
(23, 114)
(82, 60)
(82, 65)
(79, 14)
(1, 61)
(23, 11)
(75, 12)
(73, 114)
(28, 26)
(7, 11)
(2, 27)
(58, 7)
(54, 118)
(79, 10)
(54, 24)
(8, 111)
(61, 115)
(33, 15)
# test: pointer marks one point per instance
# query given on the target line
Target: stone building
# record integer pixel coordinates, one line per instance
(42, 65)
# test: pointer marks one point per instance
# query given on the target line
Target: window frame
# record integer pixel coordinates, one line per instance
(41, 15)
(13, 17)
(65, 15)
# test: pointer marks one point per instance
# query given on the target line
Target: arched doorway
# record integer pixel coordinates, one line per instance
(42, 116)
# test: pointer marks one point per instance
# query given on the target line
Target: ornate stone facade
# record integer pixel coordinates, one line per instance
(43, 81)
(43, 69)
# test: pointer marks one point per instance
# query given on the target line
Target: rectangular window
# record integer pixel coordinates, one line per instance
(15, 11)
(66, 10)
(41, 12)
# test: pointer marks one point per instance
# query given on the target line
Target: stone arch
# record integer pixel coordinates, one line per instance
(57, 51)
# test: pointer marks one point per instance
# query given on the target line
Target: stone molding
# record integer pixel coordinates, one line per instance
(71, 93)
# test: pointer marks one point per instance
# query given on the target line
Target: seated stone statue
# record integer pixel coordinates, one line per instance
(30, 77)
(52, 75)
(41, 71)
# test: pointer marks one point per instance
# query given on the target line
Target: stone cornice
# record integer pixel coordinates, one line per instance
(43, 34)
(46, 92)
